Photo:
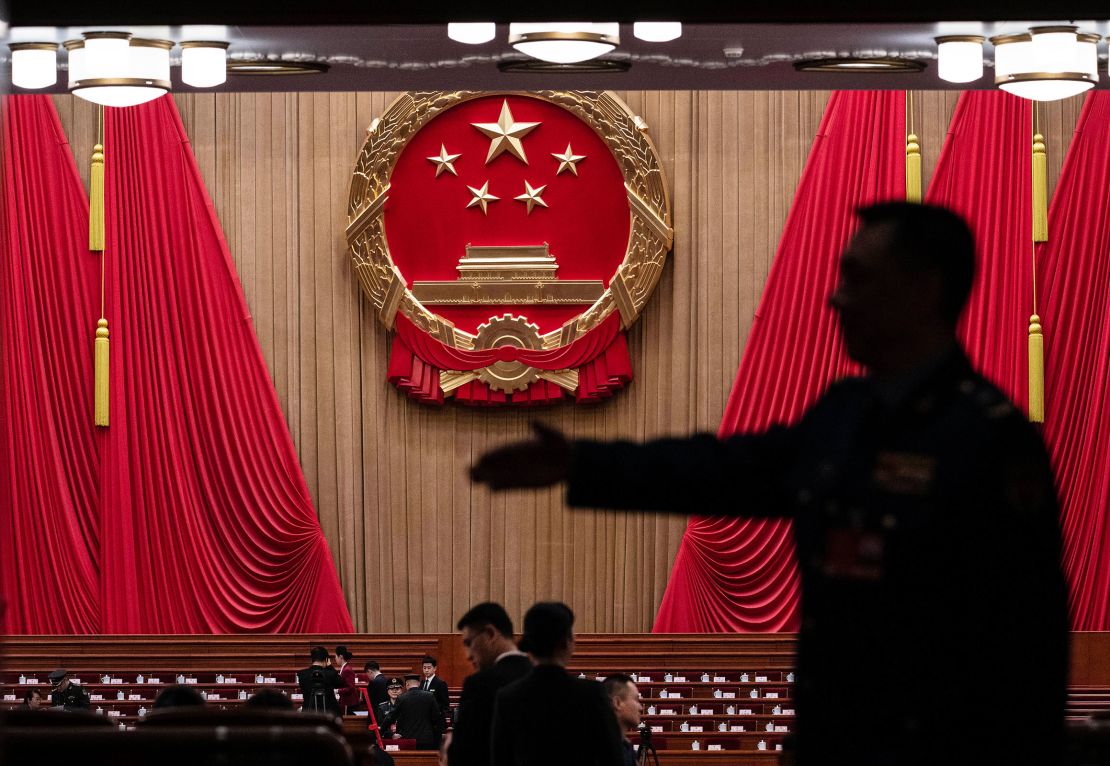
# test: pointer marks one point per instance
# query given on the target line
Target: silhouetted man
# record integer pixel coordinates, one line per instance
(550, 718)
(925, 520)
(487, 637)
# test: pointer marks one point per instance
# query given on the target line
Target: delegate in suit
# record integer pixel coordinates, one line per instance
(417, 716)
(487, 637)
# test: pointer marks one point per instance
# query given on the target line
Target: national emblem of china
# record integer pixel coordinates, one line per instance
(509, 240)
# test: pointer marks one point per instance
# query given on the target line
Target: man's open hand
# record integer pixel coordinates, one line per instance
(538, 462)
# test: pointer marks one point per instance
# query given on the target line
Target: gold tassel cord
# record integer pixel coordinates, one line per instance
(100, 373)
(1040, 190)
(1040, 234)
(1036, 370)
(96, 244)
(913, 156)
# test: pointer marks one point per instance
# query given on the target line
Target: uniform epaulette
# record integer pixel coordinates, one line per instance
(985, 398)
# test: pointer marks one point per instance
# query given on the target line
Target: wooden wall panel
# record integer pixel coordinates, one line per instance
(413, 542)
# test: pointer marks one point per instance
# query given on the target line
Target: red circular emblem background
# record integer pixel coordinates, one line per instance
(428, 224)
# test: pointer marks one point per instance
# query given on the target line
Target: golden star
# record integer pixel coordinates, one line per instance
(444, 161)
(568, 160)
(531, 197)
(481, 197)
(505, 134)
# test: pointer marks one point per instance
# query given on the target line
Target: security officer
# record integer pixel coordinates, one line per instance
(925, 520)
(66, 694)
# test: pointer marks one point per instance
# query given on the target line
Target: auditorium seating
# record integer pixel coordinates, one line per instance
(750, 674)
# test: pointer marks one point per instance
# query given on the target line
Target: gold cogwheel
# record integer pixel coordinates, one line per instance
(508, 330)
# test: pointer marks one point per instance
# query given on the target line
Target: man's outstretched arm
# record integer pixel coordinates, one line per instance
(699, 474)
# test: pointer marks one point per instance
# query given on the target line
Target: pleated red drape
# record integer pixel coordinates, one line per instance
(190, 513)
(1074, 280)
(984, 173)
(212, 528)
(49, 512)
(736, 574)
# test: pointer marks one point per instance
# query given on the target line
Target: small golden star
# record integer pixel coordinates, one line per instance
(481, 197)
(444, 161)
(568, 160)
(531, 197)
(505, 134)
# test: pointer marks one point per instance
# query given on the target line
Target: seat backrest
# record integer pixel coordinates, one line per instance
(177, 746)
(213, 716)
(52, 717)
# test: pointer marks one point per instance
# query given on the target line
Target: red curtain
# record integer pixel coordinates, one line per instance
(189, 514)
(209, 525)
(1074, 280)
(735, 574)
(984, 173)
(49, 511)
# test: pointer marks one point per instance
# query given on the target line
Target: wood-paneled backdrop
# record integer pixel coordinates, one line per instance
(414, 543)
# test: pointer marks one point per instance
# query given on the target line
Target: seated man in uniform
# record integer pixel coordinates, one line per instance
(924, 514)
(65, 693)
(393, 691)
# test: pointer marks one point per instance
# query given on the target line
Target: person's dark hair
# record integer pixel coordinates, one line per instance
(342, 651)
(616, 684)
(27, 695)
(270, 698)
(487, 613)
(371, 665)
(930, 238)
(319, 654)
(548, 627)
(430, 660)
(178, 695)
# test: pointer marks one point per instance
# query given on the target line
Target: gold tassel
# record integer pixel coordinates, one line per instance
(100, 373)
(1040, 190)
(1036, 370)
(913, 169)
(96, 200)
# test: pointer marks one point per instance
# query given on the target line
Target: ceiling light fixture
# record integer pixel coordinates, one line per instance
(960, 57)
(203, 63)
(564, 42)
(472, 33)
(1047, 63)
(657, 31)
(118, 70)
(34, 65)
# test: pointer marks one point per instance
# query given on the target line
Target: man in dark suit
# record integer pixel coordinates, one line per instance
(487, 637)
(350, 697)
(434, 684)
(378, 687)
(625, 697)
(318, 684)
(549, 718)
(417, 716)
(924, 515)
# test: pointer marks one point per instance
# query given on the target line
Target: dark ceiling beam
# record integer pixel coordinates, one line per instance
(330, 12)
